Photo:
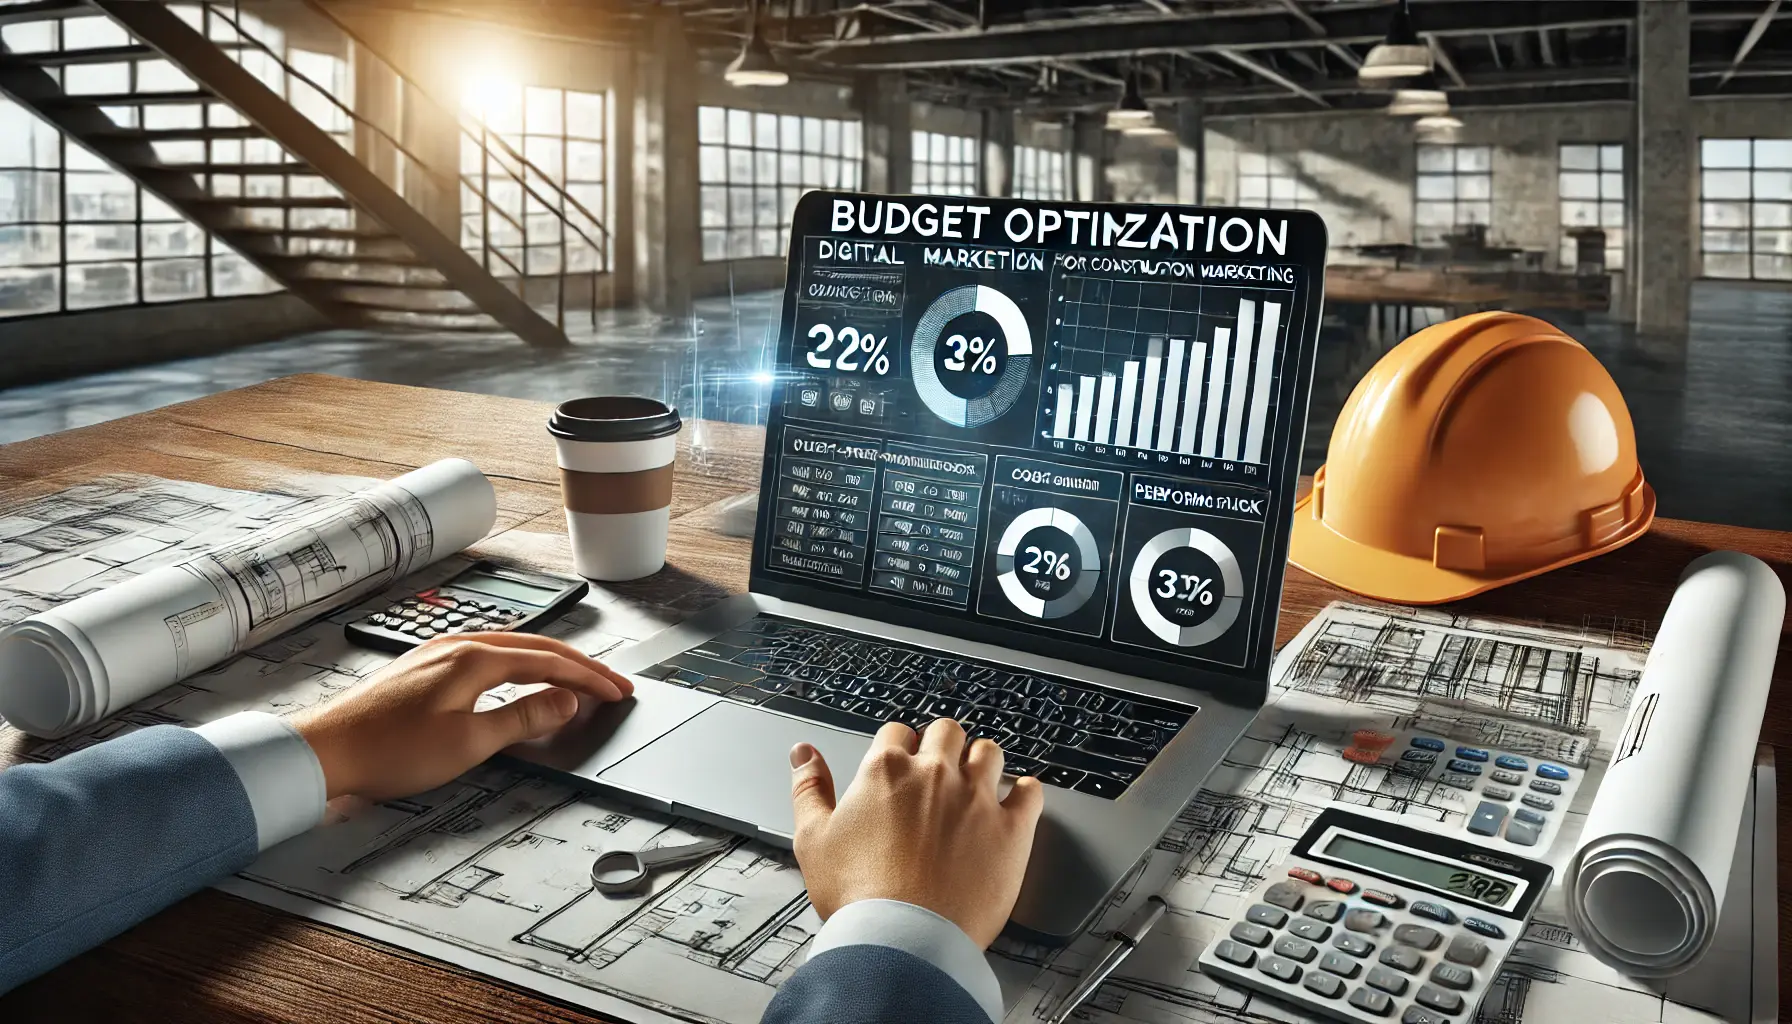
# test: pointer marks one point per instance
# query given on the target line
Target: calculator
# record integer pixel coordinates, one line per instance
(1515, 802)
(484, 597)
(1368, 920)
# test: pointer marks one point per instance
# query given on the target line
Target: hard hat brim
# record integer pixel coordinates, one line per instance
(1403, 579)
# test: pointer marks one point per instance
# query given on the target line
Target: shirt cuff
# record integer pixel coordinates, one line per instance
(919, 932)
(278, 771)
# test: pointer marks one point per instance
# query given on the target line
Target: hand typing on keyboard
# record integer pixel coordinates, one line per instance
(1069, 734)
(922, 824)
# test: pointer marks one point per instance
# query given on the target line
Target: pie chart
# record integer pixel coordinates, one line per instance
(1186, 587)
(970, 355)
(1026, 572)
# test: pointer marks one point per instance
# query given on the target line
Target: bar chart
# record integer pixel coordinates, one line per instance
(1180, 369)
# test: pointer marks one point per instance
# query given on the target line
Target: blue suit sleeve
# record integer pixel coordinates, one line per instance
(887, 962)
(872, 984)
(105, 837)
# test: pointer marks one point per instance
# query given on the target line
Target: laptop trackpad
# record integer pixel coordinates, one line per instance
(731, 763)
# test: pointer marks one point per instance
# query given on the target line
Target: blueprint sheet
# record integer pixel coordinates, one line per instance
(491, 871)
(1552, 692)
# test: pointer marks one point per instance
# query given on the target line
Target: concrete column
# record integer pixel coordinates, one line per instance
(1089, 158)
(1191, 151)
(998, 153)
(1666, 197)
(667, 244)
(620, 218)
(887, 132)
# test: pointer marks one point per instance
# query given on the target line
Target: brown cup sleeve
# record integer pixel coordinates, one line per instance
(615, 493)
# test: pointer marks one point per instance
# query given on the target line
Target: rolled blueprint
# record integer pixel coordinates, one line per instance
(1644, 888)
(73, 665)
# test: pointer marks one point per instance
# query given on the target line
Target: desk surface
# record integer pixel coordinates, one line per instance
(216, 957)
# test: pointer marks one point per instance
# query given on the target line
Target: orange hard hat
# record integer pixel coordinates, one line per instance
(1476, 452)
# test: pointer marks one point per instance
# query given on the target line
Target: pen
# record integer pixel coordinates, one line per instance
(1126, 939)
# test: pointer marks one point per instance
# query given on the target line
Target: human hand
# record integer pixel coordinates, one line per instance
(921, 824)
(411, 726)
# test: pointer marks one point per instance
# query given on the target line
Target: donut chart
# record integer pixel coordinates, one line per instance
(1017, 342)
(1226, 604)
(1088, 574)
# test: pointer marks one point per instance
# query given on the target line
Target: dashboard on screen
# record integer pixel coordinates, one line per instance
(1070, 428)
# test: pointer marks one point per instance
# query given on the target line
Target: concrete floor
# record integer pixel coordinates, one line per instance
(1714, 426)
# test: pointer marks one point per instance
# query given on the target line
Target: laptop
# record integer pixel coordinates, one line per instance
(1028, 464)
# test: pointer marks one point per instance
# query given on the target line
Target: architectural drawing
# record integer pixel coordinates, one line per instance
(161, 626)
(1552, 692)
(492, 870)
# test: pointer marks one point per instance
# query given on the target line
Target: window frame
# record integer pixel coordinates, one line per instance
(778, 157)
(1602, 178)
(1759, 215)
(179, 242)
(1041, 173)
(526, 250)
(1423, 232)
(1283, 187)
(943, 164)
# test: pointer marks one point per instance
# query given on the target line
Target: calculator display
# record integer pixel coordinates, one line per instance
(1492, 890)
(509, 589)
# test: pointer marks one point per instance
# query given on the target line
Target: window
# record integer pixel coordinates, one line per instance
(562, 134)
(1591, 185)
(1040, 173)
(1455, 188)
(753, 166)
(1745, 209)
(75, 234)
(1271, 181)
(944, 165)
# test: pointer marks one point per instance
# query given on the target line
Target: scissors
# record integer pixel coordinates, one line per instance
(627, 870)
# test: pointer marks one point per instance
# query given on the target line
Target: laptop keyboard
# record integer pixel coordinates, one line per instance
(1072, 735)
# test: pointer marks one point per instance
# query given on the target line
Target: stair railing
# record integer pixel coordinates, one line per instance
(495, 149)
(517, 169)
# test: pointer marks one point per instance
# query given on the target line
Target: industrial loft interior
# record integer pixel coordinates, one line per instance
(562, 197)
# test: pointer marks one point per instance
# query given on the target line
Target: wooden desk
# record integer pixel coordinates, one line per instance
(218, 958)
(1464, 289)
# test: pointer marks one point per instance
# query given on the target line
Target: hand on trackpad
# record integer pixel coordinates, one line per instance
(954, 841)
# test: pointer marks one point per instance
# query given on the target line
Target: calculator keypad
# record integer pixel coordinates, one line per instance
(430, 614)
(1494, 782)
(1361, 952)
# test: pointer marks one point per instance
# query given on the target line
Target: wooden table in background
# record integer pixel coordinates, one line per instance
(219, 958)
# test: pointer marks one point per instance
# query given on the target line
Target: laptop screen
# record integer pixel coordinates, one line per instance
(1068, 428)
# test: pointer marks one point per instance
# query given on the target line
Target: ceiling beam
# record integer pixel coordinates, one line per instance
(1746, 84)
(1033, 42)
(1083, 72)
(1346, 93)
(1560, 92)
(1271, 75)
(1314, 26)
(1755, 32)
(1442, 56)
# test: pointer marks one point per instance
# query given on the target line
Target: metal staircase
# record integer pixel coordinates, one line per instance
(326, 200)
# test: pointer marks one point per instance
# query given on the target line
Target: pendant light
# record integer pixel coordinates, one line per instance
(756, 65)
(1437, 128)
(1421, 97)
(1401, 54)
(1132, 112)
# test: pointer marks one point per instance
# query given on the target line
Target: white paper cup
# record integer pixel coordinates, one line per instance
(615, 457)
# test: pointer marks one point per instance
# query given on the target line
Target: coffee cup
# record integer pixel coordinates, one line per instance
(615, 456)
